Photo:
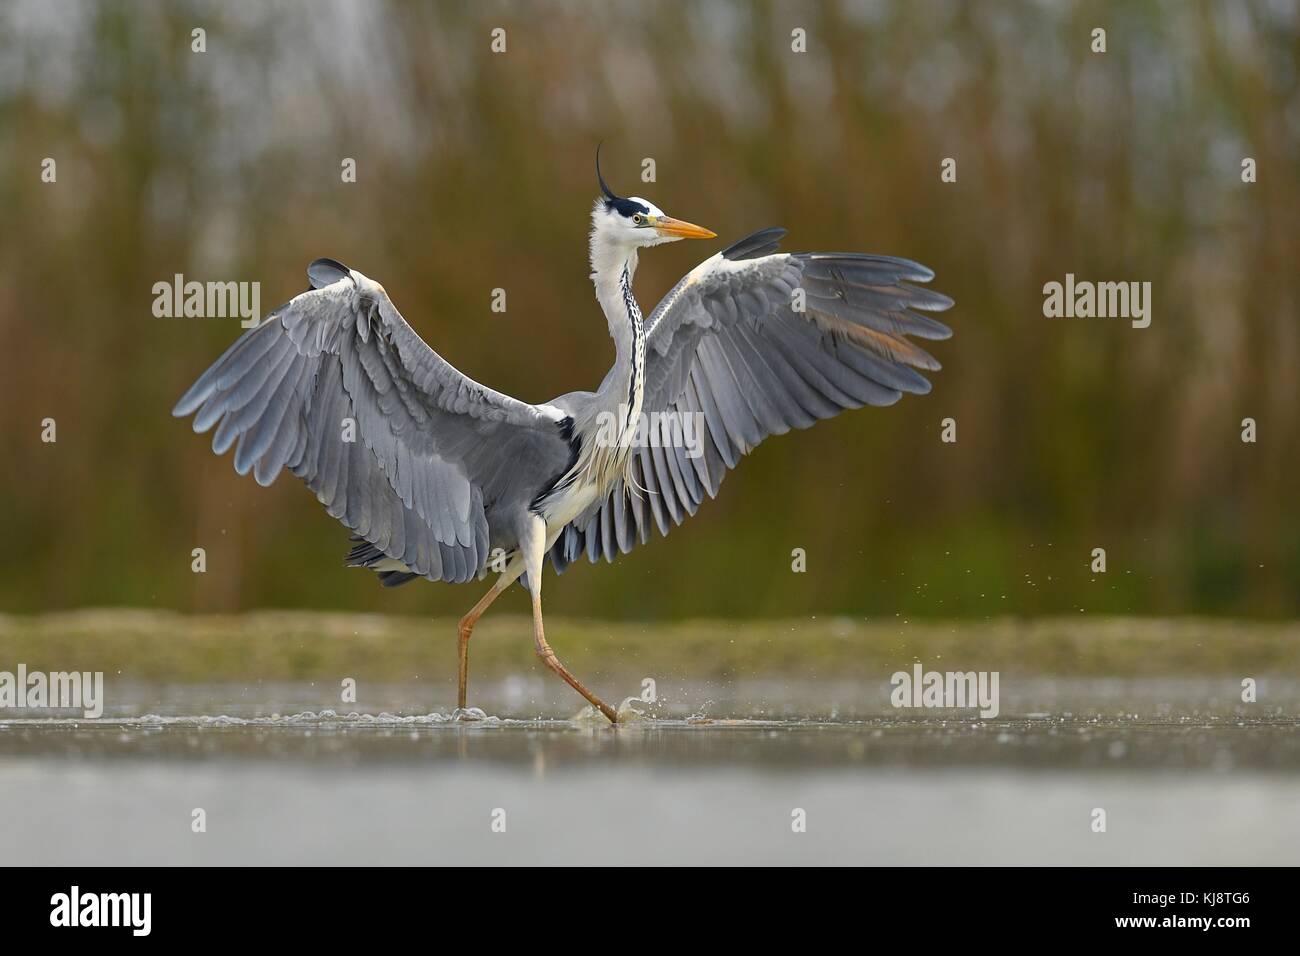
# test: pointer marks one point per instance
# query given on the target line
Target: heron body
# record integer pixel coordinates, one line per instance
(435, 473)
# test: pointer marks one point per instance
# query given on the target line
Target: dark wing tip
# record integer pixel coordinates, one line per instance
(937, 332)
(761, 243)
(325, 272)
(927, 300)
(891, 268)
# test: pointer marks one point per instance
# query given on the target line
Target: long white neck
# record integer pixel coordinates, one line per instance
(613, 265)
(617, 409)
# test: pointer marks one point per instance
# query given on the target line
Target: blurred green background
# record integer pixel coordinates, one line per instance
(475, 172)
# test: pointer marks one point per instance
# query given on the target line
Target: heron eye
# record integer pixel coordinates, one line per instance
(638, 219)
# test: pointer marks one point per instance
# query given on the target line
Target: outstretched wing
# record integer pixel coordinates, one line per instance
(753, 343)
(397, 444)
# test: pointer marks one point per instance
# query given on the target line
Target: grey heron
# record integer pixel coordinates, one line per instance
(435, 474)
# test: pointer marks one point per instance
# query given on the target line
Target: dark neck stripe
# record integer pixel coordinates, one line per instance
(638, 341)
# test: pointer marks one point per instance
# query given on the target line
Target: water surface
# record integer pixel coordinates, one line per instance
(1185, 774)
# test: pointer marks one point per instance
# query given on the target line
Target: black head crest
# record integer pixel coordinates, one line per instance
(604, 186)
(625, 207)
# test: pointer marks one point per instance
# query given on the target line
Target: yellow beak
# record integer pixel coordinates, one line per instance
(668, 226)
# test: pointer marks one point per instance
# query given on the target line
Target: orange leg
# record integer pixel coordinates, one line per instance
(466, 629)
(548, 657)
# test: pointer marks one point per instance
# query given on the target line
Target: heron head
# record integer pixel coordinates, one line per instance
(635, 221)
